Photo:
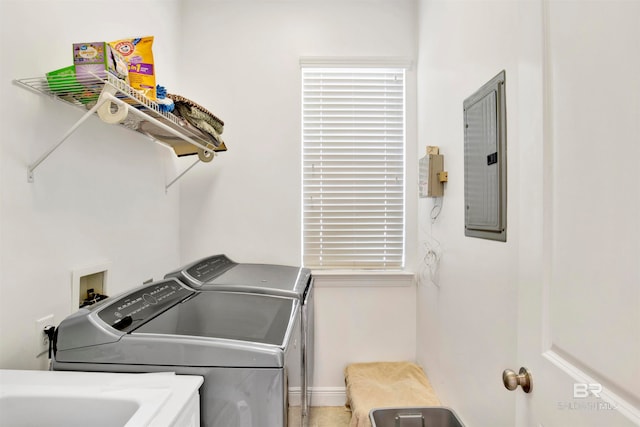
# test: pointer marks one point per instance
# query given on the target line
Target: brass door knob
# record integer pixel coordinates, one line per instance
(511, 380)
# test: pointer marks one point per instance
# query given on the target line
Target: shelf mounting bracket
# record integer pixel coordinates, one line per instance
(174, 180)
(32, 167)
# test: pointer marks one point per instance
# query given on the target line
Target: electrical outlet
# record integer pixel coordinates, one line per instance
(42, 339)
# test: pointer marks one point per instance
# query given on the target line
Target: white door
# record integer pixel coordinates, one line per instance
(579, 272)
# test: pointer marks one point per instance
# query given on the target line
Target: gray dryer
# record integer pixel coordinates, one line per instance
(220, 273)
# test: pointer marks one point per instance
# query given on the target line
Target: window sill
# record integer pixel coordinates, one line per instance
(349, 278)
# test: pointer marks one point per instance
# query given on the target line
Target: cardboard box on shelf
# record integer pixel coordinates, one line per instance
(96, 59)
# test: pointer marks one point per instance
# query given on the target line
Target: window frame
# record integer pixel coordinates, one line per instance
(397, 66)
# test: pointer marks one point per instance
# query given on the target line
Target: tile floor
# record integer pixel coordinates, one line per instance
(322, 416)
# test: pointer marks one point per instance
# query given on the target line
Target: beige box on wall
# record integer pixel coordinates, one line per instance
(433, 149)
(430, 184)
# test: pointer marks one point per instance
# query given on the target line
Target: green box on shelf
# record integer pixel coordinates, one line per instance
(64, 84)
(64, 80)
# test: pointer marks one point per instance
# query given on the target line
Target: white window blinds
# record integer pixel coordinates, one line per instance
(353, 130)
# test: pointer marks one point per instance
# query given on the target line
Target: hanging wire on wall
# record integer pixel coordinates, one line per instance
(431, 246)
(436, 209)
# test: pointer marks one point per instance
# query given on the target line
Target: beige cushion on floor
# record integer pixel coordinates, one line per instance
(385, 384)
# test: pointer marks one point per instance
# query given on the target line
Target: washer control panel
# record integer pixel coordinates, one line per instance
(136, 308)
(209, 268)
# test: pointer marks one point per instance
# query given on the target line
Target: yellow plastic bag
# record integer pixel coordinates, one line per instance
(139, 56)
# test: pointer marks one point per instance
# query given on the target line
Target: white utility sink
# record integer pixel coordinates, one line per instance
(79, 399)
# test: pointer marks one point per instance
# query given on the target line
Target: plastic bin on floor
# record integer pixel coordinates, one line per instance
(434, 416)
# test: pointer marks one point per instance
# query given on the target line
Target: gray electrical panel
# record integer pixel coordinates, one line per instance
(485, 161)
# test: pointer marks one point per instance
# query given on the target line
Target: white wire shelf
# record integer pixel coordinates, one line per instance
(114, 101)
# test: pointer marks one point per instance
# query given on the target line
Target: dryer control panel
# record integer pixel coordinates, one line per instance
(209, 268)
(131, 310)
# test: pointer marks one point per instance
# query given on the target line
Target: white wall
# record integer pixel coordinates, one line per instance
(467, 309)
(359, 323)
(242, 60)
(100, 197)
(91, 204)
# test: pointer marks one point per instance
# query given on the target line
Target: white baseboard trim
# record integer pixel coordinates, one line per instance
(328, 396)
(320, 396)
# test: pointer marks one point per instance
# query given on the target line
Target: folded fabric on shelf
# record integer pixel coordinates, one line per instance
(199, 117)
